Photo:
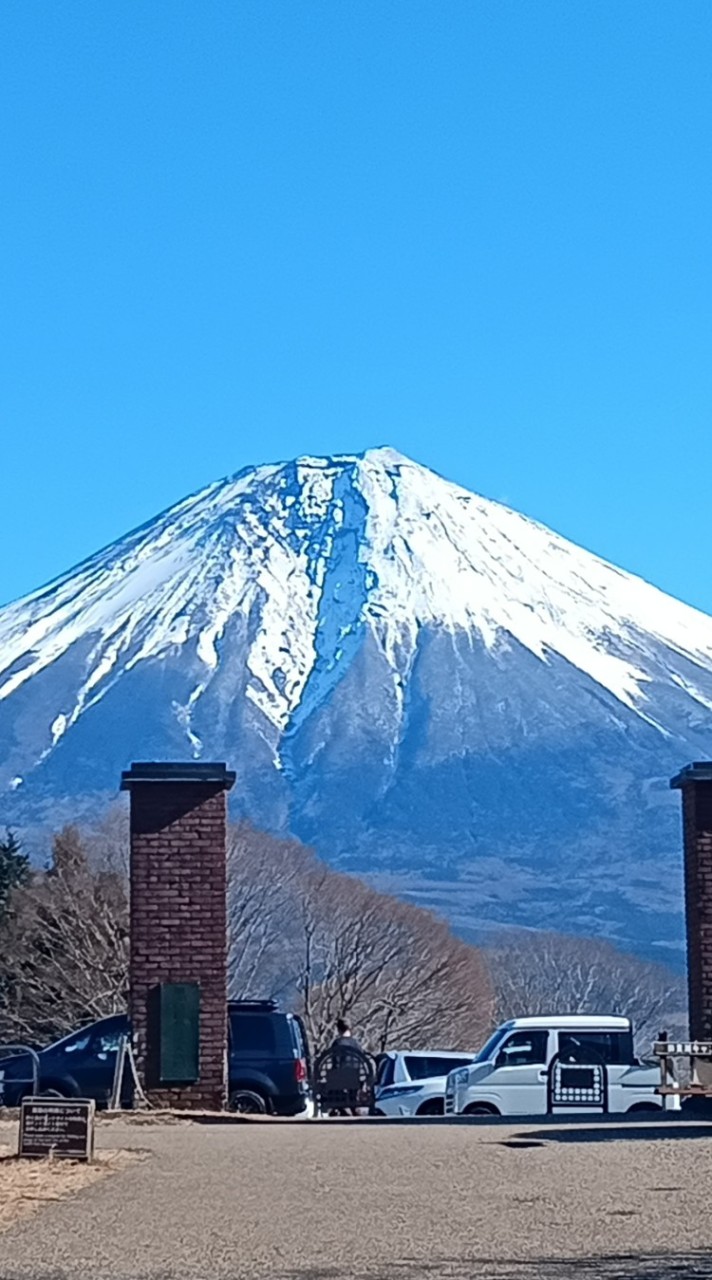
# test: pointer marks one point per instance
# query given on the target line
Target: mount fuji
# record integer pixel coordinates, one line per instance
(430, 688)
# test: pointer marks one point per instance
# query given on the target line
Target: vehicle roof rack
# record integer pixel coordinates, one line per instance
(253, 1006)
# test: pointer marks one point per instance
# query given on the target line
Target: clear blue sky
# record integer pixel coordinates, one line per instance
(476, 230)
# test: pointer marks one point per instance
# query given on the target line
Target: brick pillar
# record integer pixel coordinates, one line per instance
(695, 782)
(179, 918)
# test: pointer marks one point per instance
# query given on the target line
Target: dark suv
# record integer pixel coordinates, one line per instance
(268, 1059)
(268, 1062)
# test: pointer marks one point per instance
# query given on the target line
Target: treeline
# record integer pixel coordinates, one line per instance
(333, 946)
(320, 941)
(538, 973)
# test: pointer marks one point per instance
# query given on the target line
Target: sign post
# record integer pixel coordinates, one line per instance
(57, 1128)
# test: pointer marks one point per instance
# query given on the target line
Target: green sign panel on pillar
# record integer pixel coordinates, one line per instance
(179, 1033)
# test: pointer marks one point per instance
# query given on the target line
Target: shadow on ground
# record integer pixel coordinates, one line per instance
(688, 1265)
(663, 1266)
(609, 1133)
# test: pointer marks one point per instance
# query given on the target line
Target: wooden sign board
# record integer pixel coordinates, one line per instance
(683, 1049)
(59, 1128)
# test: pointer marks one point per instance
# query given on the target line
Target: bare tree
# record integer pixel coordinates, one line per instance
(540, 973)
(64, 945)
(264, 877)
(106, 841)
(395, 970)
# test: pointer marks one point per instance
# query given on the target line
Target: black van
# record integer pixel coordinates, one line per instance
(268, 1059)
(268, 1062)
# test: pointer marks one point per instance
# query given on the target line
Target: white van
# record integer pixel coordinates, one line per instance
(555, 1065)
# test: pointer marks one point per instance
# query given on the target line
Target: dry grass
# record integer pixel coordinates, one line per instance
(25, 1184)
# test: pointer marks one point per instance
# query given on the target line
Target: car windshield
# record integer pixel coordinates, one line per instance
(77, 1044)
(488, 1050)
(385, 1069)
(72, 1043)
(77, 1041)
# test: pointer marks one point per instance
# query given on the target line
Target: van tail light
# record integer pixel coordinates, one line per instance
(300, 1070)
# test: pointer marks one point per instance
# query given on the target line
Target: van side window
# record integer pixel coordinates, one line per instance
(614, 1048)
(430, 1067)
(524, 1048)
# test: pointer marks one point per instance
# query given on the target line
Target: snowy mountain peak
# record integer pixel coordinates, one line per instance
(320, 552)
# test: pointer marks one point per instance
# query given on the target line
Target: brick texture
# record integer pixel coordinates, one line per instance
(697, 830)
(178, 923)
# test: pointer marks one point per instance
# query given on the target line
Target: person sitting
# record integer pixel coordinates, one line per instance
(346, 1052)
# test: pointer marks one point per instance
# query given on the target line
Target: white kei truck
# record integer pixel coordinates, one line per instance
(555, 1065)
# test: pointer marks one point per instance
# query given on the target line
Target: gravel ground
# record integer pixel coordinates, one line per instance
(25, 1185)
(382, 1202)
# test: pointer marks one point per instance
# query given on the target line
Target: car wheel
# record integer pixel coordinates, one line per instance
(435, 1107)
(644, 1106)
(480, 1109)
(247, 1102)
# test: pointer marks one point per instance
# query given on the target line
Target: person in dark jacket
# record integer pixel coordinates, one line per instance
(345, 1049)
(346, 1052)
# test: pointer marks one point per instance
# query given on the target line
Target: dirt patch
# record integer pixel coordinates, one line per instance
(26, 1184)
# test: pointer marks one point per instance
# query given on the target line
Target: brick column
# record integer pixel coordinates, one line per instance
(695, 782)
(179, 919)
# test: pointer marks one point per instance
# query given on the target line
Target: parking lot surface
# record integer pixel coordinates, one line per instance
(398, 1201)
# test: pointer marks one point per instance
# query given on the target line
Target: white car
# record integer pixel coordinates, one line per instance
(555, 1065)
(412, 1083)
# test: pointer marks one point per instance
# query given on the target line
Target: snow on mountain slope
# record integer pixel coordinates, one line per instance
(321, 549)
(359, 622)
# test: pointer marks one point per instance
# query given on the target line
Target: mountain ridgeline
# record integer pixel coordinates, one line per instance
(431, 689)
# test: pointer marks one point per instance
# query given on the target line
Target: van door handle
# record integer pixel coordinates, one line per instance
(543, 1075)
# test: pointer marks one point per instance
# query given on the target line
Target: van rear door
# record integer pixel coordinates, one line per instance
(612, 1047)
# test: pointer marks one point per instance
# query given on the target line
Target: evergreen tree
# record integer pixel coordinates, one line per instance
(14, 868)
